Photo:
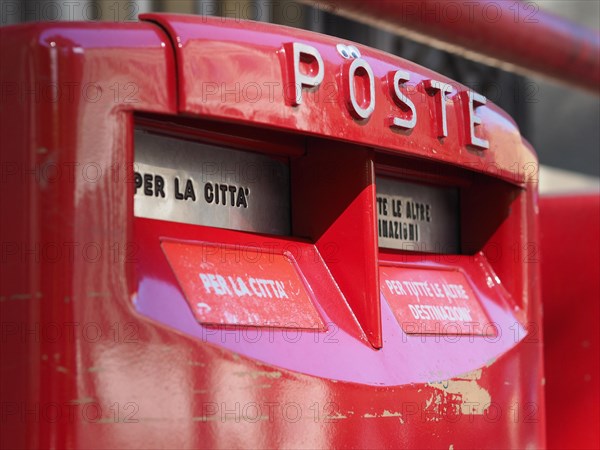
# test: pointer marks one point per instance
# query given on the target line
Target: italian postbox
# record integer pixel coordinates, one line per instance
(220, 233)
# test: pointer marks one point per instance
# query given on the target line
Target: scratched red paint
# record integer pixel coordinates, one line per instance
(225, 284)
(433, 302)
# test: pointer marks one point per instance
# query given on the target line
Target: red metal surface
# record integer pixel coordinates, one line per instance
(99, 345)
(69, 91)
(343, 226)
(513, 35)
(570, 247)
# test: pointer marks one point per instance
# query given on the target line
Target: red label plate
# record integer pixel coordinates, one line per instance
(433, 302)
(234, 285)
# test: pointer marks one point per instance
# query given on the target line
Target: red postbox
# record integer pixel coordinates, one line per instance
(221, 233)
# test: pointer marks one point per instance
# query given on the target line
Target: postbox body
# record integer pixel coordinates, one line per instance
(221, 233)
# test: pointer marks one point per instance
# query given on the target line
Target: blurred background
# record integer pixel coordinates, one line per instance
(561, 122)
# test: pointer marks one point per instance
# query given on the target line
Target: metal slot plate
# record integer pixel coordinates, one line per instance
(201, 184)
(417, 217)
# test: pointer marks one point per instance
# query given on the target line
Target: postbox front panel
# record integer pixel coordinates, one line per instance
(303, 243)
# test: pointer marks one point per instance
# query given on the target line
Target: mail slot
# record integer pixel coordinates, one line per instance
(417, 217)
(178, 181)
(237, 234)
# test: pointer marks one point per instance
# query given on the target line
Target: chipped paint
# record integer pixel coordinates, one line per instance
(25, 296)
(81, 401)
(227, 418)
(98, 294)
(258, 386)
(107, 420)
(385, 413)
(258, 373)
(462, 393)
(205, 418)
(490, 362)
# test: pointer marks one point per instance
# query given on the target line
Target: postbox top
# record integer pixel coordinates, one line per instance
(243, 71)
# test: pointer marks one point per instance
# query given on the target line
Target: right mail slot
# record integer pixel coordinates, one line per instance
(417, 217)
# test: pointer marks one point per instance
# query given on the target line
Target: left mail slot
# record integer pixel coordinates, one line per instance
(196, 183)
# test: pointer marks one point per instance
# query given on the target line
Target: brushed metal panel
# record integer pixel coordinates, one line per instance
(417, 217)
(190, 182)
